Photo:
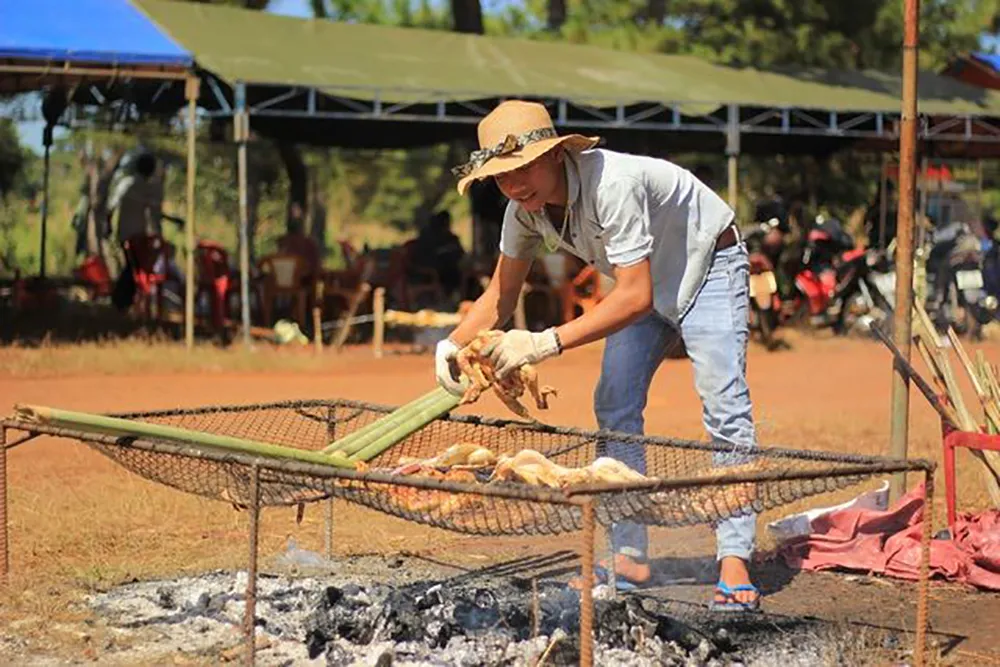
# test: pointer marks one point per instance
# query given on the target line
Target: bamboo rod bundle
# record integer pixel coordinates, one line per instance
(368, 442)
(100, 424)
(983, 380)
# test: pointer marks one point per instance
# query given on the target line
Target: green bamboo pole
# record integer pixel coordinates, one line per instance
(417, 421)
(126, 427)
(356, 440)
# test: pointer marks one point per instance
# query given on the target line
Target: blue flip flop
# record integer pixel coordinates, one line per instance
(732, 604)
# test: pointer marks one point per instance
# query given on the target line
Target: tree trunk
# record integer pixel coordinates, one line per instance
(298, 182)
(556, 14)
(655, 11)
(467, 16)
(436, 191)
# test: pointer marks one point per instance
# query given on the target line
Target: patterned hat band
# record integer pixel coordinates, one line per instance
(509, 145)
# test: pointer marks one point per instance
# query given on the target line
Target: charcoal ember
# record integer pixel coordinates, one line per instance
(688, 638)
(165, 598)
(345, 613)
(481, 612)
(559, 608)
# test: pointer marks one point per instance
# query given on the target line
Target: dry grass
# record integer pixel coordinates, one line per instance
(79, 522)
(160, 356)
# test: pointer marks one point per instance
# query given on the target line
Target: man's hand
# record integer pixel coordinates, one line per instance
(446, 368)
(518, 347)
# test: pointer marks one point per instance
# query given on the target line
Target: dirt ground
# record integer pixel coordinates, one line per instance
(79, 522)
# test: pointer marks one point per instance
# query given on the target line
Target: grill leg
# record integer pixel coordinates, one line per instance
(329, 528)
(331, 435)
(612, 575)
(251, 594)
(4, 547)
(923, 619)
(587, 594)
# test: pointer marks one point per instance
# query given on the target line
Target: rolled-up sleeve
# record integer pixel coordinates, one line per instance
(623, 213)
(517, 238)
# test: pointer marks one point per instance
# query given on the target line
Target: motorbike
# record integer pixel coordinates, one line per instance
(840, 285)
(765, 303)
(957, 294)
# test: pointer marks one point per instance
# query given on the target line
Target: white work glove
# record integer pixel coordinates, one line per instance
(446, 368)
(519, 347)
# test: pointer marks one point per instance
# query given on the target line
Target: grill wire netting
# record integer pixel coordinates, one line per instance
(466, 501)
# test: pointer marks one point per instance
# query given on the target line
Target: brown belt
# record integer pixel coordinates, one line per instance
(728, 238)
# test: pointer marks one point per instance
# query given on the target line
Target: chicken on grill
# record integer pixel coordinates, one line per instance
(479, 369)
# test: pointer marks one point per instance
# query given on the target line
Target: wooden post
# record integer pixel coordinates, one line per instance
(318, 316)
(902, 333)
(191, 88)
(378, 309)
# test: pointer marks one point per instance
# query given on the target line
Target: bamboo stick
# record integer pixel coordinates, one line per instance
(352, 309)
(82, 421)
(966, 422)
(938, 354)
(990, 408)
(384, 424)
(424, 416)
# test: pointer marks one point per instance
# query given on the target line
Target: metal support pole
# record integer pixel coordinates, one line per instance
(979, 192)
(191, 95)
(883, 202)
(4, 545)
(47, 141)
(902, 335)
(923, 617)
(250, 609)
(587, 592)
(733, 153)
(241, 129)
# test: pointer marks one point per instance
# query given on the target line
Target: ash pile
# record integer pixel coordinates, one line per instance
(497, 623)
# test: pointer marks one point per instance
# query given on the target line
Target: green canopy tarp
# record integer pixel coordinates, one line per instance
(408, 64)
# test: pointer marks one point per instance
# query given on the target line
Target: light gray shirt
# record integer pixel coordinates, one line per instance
(622, 209)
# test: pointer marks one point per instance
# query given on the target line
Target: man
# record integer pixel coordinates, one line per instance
(137, 194)
(680, 269)
(438, 249)
(295, 241)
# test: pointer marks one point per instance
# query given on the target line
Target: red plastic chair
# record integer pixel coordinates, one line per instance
(94, 272)
(148, 255)
(213, 279)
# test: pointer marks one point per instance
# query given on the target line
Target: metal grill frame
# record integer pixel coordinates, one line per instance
(584, 499)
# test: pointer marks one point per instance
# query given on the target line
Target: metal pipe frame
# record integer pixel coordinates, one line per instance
(365, 103)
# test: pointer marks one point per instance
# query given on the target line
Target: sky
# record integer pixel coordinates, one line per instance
(31, 132)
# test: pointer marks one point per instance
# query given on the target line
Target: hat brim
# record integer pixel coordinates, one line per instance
(519, 158)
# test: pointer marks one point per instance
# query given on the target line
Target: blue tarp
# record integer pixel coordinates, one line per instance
(990, 59)
(96, 31)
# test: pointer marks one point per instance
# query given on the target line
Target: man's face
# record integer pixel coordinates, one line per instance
(536, 183)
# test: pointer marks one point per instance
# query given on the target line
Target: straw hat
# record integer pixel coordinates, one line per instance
(511, 136)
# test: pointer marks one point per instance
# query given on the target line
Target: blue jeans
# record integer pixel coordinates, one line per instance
(715, 333)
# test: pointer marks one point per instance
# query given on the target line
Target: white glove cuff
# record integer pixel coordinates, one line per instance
(547, 343)
(447, 347)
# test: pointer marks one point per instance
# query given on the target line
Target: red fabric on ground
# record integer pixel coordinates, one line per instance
(888, 542)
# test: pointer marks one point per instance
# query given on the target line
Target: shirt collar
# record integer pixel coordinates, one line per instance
(572, 179)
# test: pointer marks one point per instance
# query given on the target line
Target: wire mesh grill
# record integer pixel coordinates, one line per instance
(691, 482)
